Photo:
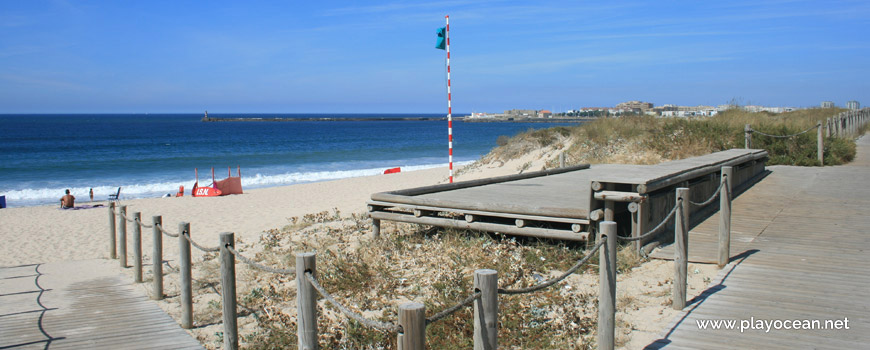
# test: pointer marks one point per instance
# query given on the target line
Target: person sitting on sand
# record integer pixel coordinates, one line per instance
(67, 201)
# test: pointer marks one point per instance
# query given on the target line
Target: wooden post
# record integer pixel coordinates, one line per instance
(228, 289)
(820, 149)
(486, 310)
(137, 247)
(562, 160)
(186, 283)
(412, 324)
(122, 237)
(828, 127)
(642, 223)
(112, 251)
(609, 210)
(376, 228)
(681, 248)
(157, 259)
(725, 216)
(747, 136)
(306, 302)
(607, 286)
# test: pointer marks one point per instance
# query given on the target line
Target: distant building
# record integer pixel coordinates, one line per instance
(827, 104)
(853, 105)
(545, 114)
(635, 106)
(527, 113)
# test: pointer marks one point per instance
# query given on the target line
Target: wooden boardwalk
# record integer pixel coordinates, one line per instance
(801, 251)
(81, 305)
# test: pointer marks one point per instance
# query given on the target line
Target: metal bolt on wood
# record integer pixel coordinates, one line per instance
(185, 274)
(157, 259)
(228, 291)
(412, 323)
(137, 247)
(681, 251)
(306, 302)
(607, 286)
(112, 251)
(122, 237)
(486, 310)
(725, 216)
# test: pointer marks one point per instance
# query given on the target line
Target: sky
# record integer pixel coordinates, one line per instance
(370, 56)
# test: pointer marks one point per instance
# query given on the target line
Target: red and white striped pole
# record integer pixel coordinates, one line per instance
(449, 108)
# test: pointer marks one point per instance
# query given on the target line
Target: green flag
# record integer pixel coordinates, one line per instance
(442, 38)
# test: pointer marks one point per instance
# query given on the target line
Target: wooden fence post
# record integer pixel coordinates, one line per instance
(607, 285)
(112, 251)
(747, 136)
(725, 216)
(828, 127)
(681, 248)
(137, 247)
(486, 310)
(122, 237)
(562, 160)
(306, 302)
(412, 324)
(609, 210)
(157, 259)
(228, 289)
(184, 272)
(376, 228)
(820, 148)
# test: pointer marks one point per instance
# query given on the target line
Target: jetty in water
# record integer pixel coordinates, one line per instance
(319, 119)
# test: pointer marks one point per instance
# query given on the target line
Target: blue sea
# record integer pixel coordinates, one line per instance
(150, 155)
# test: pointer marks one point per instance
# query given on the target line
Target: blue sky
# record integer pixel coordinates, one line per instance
(367, 56)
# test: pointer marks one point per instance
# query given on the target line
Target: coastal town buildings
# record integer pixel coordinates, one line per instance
(853, 105)
(646, 108)
(827, 104)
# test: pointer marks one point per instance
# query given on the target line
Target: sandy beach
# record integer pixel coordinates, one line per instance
(48, 234)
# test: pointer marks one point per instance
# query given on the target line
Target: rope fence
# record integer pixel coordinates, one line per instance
(256, 265)
(412, 320)
(553, 281)
(786, 136)
(383, 326)
(845, 124)
(170, 234)
(656, 229)
(714, 196)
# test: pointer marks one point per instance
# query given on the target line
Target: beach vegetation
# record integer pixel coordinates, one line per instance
(642, 139)
(419, 263)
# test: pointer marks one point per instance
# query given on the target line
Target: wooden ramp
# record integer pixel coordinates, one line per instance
(81, 305)
(801, 252)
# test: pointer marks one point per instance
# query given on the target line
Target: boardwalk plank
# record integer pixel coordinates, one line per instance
(809, 261)
(93, 310)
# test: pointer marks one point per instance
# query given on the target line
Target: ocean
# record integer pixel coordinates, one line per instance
(150, 155)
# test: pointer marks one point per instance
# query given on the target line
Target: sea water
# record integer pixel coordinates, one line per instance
(151, 155)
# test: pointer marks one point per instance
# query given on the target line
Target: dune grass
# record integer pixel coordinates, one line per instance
(649, 140)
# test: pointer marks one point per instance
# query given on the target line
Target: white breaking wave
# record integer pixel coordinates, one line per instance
(27, 197)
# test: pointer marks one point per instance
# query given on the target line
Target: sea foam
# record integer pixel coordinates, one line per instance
(41, 196)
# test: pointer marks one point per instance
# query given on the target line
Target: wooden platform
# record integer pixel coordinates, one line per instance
(52, 306)
(558, 203)
(801, 251)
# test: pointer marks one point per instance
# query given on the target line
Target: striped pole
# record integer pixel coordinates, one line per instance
(449, 108)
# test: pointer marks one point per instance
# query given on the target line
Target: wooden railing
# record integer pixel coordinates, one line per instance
(410, 328)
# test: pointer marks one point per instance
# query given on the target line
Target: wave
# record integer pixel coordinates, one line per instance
(41, 196)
